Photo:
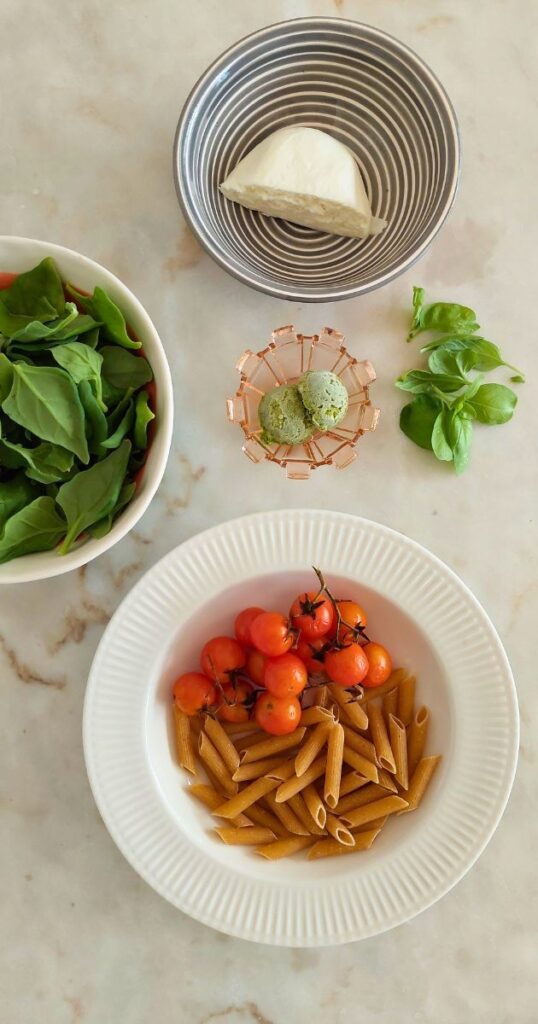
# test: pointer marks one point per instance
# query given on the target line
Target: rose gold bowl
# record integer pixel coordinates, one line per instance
(285, 358)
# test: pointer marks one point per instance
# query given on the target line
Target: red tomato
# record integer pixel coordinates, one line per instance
(312, 613)
(270, 633)
(277, 715)
(193, 691)
(221, 656)
(285, 675)
(233, 707)
(306, 649)
(347, 666)
(352, 616)
(380, 665)
(256, 666)
(243, 623)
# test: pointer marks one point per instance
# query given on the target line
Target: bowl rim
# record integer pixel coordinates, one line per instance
(189, 210)
(18, 570)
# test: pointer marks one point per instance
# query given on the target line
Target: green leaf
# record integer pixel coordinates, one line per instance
(484, 354)
(37, 294)
(81, 363)
(447, 361)
(440, 443)
(518, 378)
(123, 369)
(123, 427)
(102, 308)
(101, 528)
(417, 419)
(45, 401)
(420, 382)
(446, 317)
(36, 527)
(6, 376)
(418, 299)
(46, 463)
(96, 424)
(493, 403)
(143, 417)
(92, 494)
(14, 495)
(460, 435)
(36, 331)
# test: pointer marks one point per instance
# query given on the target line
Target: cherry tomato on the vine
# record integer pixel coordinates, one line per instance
(347, 666)
(277, 715)
(270, 633)
(352, 616)
(193, 691)
(380, 665)
(221, 656)
(243, 623)
(255, 666)
(306, 648)
(285, 675)
(312, 613)
(233, 699)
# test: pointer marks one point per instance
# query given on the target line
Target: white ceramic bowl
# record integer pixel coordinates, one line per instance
(20, 254)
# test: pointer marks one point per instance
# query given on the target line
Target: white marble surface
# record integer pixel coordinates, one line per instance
(91, 92)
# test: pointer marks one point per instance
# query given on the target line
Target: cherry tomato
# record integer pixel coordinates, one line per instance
(277, 715)
(243, 623)
(380, 663)
(193, 691)
(312, 613)
(347, 666)
(352, 615)
(256, 666)
(233, 707)
(285, 675)
(271, 634)
(306, 648)
(220, 656)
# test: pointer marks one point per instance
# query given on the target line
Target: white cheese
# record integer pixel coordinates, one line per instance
(305, 176)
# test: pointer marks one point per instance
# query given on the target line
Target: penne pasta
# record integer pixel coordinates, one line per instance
(350, 706)
(378, 823)
(398, 742)
(339, 831)
(420, 781)
(246, 772)
(288, 817)
(406, 699)
(261, 816)
(386, 780)
(294, 785)
(315, 715)
(249, 795)
(380, 737)
(360, 798)
(182, 729)
(360, 744)
(311, 747)
(321, 696)
(242, 742)
(389, 703)
(377, 809)
(360, 764)
(284, 847)
(211, 757)
(352, 781)
(282, 771)
(332, 848)
(222, 743)
(208, 796)
(244, 836)
(374, 692)
(333, 768)
(299, 808)
(416, 738)
(240, 728)
(315, 805)
(272, 745)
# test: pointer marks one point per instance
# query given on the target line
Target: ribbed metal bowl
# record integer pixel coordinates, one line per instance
(363, 87)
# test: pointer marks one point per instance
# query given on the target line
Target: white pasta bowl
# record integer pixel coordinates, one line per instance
(433, 626)
(21, 254)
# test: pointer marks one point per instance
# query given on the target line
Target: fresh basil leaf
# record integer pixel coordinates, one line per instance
(446, 317)
(492, 403)
(518, 378)
(45, 401)
(460, 435)
(418, 299)
(91, 337)
(123, 427)
(81, 363)
(6, 376)
(111, 395)
(46, 463)
(36, 331)
(124, 370)
(417, 419)
(455, 363)
(485, 354)
(102, 308)
(143, 417)
(14, 495)
(101, 528)
(93, 493)
(471, 390)
(440, 442)
(11, 323)
(36, 527)
(421, 381)
(37, 294)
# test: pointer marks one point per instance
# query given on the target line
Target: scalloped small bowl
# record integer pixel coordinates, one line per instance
(284, 359)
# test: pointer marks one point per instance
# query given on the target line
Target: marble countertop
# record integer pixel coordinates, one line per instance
(91, 95)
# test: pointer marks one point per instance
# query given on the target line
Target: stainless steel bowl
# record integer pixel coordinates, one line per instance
(363, 87)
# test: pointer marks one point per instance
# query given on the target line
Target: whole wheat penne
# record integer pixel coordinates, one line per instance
(261, 816)
(406, 699)
(380, 737)
(240, 728)
(358, 743)
(211, 757)
(242, 742)
(196, 724)
(182, 728)
(351, 781)
(252, 836)
(386, 780)
(294, 785)
(255, 769)
(398, 742)
(339, 831)
(377, 809)
(315, 715)
(360, 764)
(389, 703)
(288, 817)
(282, 771)
(249, 795)
(360, 798)
(208, 796)
(222, 743)
(311, 746)
(377, 823)
(420, 781)
(332, 848)
(272, 745)
(284, 847)
(299, 808)
(315, 805)
(350, 705)
(374, 692)
(333, 768)
(416, 738)
(321, 696)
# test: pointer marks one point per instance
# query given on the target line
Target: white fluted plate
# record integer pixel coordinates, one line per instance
(432, 624)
